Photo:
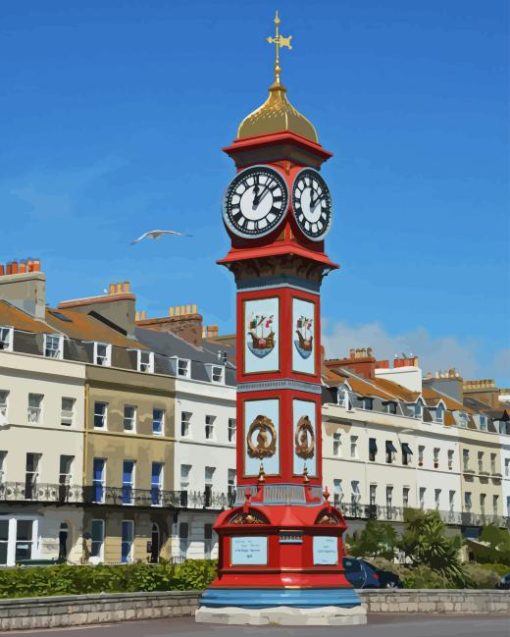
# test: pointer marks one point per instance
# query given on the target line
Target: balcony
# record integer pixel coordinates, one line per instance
(37, 492)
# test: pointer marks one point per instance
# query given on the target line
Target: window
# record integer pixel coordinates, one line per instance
(3, 466)
(128, 481)
(65, 477)
(97, 537)
(354, 446)
(421, 451)
(372, 449)
(343, 399)
(389, 502)
(439, 413)
(183, 540)
(437, 498)
(463, 419)
(158, 422)
(421, 497)
(67, 412)
(468, 502)
(390, 452)
(129, 418)
(183, 367)
(231, 482)
(418, 409)
(208, 541)
(100, 415)
(450, 459)
(495, 504)
(372, 496)
(436, 457)
(24, 539)
(31, 474)
(4, 541)
(6, 334)
(145, 362)
(337, 444)
(480, 461)
(465, 459)
(355, 496)
(156, 483)
(507, 467)
(98, 480)
(405, 497)
(4, 397)
(406, 453)
(185, 472)
(53, 346)
(209, 427)
(231, 429)
(493, 463)
(217, 374)
(483, 497)
(34, 414)
(208, 479)
(451, 501)
(102, 354)
(128, 533)
(338, 492)
(483, 422)
(185, 423)
(390, 407)
(366, 403)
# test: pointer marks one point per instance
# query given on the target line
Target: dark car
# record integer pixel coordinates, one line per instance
(387, 579)
(504, 582)
(360, 574)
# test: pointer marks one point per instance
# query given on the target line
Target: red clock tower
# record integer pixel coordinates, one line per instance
(280, 546)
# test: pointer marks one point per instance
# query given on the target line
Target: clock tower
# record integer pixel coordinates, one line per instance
(280, 545)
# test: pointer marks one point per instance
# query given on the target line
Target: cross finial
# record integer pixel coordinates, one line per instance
(279, 41)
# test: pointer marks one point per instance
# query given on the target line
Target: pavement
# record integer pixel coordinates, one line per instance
(378, 626)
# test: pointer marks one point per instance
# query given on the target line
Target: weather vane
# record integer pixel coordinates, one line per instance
(279, 41)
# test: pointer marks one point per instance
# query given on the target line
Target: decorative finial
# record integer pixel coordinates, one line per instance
(262, 474)
(306, 479)
(279, 41)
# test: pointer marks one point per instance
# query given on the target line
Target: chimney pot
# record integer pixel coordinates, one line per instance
(22, 267)
(352, 353)
(36, 265)
(111, 288)
(194, 308)
(14, 266)
(2, 269)
(171, 311)
(126, 286)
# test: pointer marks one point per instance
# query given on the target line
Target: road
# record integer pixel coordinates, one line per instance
(379, 626)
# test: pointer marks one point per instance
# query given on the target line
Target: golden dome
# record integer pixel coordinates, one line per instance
(276, 115)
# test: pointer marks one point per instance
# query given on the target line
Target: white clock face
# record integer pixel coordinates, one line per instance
(255, 202)
(311, 201)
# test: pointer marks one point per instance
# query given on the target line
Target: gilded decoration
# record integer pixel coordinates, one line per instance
(327, 517)
(261, 438)
(248, 517)
(304, 439)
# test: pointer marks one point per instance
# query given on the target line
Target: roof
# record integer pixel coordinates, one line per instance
(399, 391)
(84, 327)
(11, 316)
(358, 385)
(432, 397)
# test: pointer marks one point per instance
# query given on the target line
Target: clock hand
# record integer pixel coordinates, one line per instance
(256, 192)
(263, 194)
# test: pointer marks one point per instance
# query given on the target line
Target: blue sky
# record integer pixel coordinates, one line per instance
(112, 119)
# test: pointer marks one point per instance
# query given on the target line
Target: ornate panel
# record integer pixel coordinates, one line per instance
(262, 436)
(261, 336)
(303, 336)
(305, 437)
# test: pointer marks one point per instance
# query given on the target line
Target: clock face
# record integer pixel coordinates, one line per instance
(255, 202)
(311, 201)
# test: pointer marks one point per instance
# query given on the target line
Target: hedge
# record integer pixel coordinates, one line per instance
(63, 579)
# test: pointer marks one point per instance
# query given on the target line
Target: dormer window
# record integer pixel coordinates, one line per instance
(183, 367)
(463, 419)
(418, 409)
(145, 362)
(390, 407)
(483, 422)
(102, 354)
(366, 403)
(6, 334)
(53, 346)
(216, 373)
(343, 398)
(439, 414)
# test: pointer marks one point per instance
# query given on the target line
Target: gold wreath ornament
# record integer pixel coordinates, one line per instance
(265, 444)
(304, 440)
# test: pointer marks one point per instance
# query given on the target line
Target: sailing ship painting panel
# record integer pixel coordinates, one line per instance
(261, 335)
(303, 336)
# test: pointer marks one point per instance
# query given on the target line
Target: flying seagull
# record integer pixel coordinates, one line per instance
(156, 234)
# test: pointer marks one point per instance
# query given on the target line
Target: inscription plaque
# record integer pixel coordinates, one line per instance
(325, 550)
(249, 550)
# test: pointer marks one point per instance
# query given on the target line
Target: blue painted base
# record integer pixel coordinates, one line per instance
(268, 597)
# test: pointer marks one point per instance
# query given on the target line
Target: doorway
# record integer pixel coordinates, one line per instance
(63, 535)
(155, 544)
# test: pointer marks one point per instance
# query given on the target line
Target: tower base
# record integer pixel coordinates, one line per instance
(283, 616)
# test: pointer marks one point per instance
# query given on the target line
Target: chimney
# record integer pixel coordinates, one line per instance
(23, 287)
(117, 306)
(405, 371)
(361, 360)
(182, 320)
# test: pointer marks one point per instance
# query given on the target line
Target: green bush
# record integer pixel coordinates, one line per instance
(424, 577)
(63, 579)
(500, 569)
(479, 577)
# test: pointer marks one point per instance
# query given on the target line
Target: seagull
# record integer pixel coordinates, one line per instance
(156, 234)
